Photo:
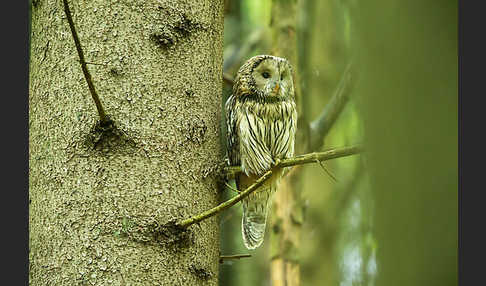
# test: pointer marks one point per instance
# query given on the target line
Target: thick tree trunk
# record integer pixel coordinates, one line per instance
(98, 198)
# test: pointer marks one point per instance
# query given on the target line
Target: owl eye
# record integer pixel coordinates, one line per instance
(265, 74)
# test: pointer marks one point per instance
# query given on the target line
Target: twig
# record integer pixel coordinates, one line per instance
(231, 171)
(221, 207)
(321, 126)
(231, 188)
(232, 257)
(103, 118)
(327, 171)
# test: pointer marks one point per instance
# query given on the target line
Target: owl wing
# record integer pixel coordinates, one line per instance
(233, 148)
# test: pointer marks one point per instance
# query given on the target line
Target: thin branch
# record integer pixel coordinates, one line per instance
(231, 171)
(231, 188)
(103, 118)
(221, 207)
(321, 126)
(331, 175)
(232, 257)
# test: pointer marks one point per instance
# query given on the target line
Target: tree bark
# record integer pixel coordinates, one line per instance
(286, 220)
(98, 197)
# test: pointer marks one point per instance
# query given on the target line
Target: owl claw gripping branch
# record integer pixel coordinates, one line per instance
(261, 120)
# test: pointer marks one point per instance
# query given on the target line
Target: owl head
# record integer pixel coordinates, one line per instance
(264, 78)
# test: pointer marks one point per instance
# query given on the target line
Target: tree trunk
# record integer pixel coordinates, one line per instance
(98, 197)
(286, 219)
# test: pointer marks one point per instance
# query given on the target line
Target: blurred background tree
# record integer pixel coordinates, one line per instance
(391, 217)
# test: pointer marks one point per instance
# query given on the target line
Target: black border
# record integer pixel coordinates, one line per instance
(14, 116)
(471, 64)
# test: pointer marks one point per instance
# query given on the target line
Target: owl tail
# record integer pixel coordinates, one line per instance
(255, 208)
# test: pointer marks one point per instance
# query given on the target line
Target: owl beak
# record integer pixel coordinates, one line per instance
(276, 89)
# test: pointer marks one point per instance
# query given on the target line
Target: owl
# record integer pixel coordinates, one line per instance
(261, 120)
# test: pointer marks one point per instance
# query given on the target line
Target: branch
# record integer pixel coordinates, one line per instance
(105, 121)
(331, 175)
(315, 157)
(221, 207)
(299, 160)
(321, 126)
